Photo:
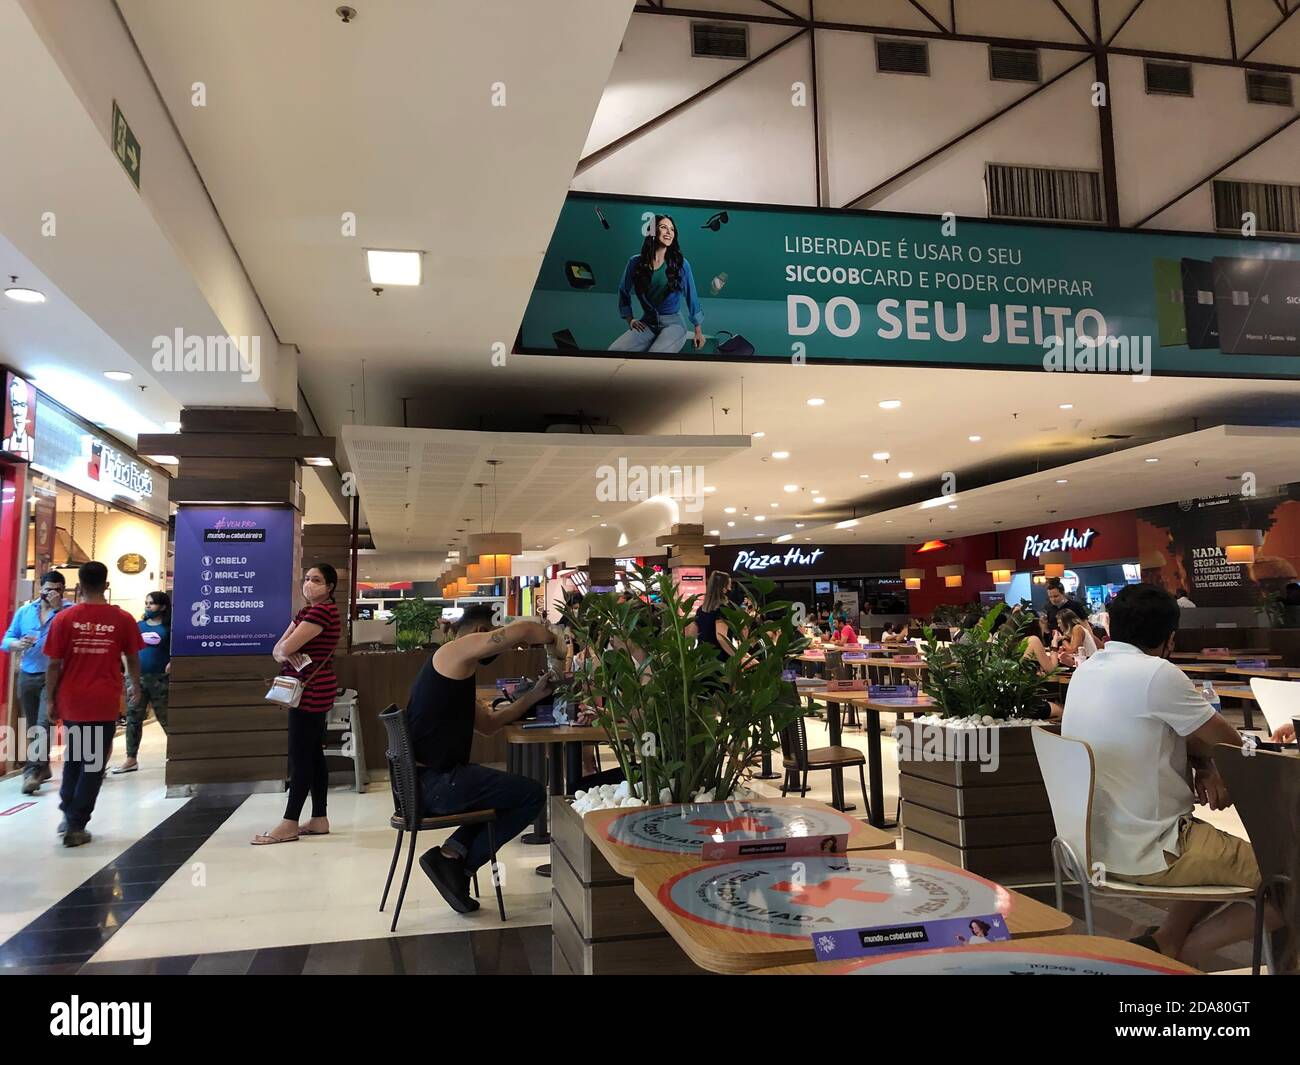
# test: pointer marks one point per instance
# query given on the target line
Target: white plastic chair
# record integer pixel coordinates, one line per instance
(344, 723)
(1069, 774)
(1279, 700)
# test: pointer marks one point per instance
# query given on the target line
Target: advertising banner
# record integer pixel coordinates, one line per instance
(1179, 550)
(661, 279)
(234, 580)
(19, 437)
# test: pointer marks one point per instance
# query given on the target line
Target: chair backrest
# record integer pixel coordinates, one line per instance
(1265, 788)
(401, 765)
(794, 742)
(1279, 700)
(1069, 773)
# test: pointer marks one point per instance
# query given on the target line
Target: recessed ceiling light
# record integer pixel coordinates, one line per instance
(760, 517)
(880, 456)
(24, 295)
(394, 267)
(798, 525)
(819, 499)
(905, 475)
(1067, 406)
(952, 506)
(118, 375)
(1153, 460)
(791, 488)
(846, 524)
(889, 521)
(595, 515)
(728, 510)
(715, 532)
(816, 402)
(710, 488)
(569, 530)
(776, 505)
(864, 476)
(1062, 480)
(783, 538)
(890, 404)
(604, 525)
(780, 454)
(731, 525)
(974, 439)
(758, 435)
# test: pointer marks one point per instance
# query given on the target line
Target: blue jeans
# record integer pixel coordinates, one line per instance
(36, 716)
(669, 333)
(86, 749)
(517, 801)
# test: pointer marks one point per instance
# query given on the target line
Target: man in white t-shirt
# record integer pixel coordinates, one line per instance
(1152, 736)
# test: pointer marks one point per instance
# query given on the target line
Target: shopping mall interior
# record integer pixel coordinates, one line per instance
(403, 414)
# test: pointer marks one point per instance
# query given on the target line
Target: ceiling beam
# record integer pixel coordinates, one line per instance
(1277, 26)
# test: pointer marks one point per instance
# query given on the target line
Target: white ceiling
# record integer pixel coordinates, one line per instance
(419, 494)
(391, 118)
(1210, 462)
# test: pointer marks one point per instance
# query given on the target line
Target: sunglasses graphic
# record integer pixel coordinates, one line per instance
(716, 222)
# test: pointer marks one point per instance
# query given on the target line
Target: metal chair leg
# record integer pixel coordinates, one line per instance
(397, 849)
(1060, 880)
(862, 779)
(401, 894)
(474, 877)
(1257, 940)
(496, 873)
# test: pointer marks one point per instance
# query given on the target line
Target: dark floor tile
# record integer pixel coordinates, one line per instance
(102, 892)
(500, 952)
(110, 915)
(173, 852)
(537, 944)
(176, 965)
(26, 946)
(66, 968)
(279, 961)
(228, 963)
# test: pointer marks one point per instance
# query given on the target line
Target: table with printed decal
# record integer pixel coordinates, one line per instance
(1063, 955)
(737, 917)
(871, 708)
(631, 839)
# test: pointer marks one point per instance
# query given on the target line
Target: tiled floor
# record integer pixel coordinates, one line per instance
(173, 886)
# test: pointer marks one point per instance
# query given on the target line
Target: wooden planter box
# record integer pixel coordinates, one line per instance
(598, 925)
(998, 824)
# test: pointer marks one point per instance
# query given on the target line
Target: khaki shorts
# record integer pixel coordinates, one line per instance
(1207, 856)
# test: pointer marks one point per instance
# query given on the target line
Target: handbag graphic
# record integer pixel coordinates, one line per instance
(735, 344)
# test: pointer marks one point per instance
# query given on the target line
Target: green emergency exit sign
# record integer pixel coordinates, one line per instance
(125, 146)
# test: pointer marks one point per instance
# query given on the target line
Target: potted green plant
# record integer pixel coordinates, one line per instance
(684, 724)
(415, 620)
(971, 788)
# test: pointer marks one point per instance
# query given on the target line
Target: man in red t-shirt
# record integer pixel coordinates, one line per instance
(84, 681)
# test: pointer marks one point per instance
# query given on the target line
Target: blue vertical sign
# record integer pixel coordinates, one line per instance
(234, 586)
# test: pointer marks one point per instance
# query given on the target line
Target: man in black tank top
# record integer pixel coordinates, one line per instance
(443, 714)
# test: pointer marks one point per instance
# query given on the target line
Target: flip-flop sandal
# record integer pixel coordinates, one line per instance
(262, 839)
(312, 832)
(125, 769)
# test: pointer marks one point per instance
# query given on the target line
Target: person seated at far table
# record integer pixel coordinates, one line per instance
(894, 632)
(1148, 727)
(844, 635)
(1078, 644)
(443, 714)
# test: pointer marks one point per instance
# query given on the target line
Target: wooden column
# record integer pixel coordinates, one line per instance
(221, 730)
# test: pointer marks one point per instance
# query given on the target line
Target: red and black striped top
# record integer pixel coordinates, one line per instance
(321, 683)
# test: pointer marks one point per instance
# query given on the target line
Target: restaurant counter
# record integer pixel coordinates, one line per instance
(384, 677)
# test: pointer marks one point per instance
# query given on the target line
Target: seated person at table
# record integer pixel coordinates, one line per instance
(443, 714)
(1078, 644)
(846, 637)
(894, 633)
(1147, 726)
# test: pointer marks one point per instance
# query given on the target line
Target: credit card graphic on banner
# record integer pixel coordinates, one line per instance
(1259, 306)
(626, 277)
(1198, 304)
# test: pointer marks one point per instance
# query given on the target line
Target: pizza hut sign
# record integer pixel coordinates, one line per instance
(1067, 541)
(755, 562)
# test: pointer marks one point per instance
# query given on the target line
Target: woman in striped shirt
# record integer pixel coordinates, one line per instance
(314, 632)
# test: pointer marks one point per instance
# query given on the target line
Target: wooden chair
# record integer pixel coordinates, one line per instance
(1069, 774)
(406, 811)
(797, 760)
(1279, 700)
(1265, 788)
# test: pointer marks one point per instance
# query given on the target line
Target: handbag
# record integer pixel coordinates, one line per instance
(287, 691)
(735, 344)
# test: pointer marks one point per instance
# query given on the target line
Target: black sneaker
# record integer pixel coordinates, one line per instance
(450, 879)
(63, 827)
(31, 784)
(76, 837)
